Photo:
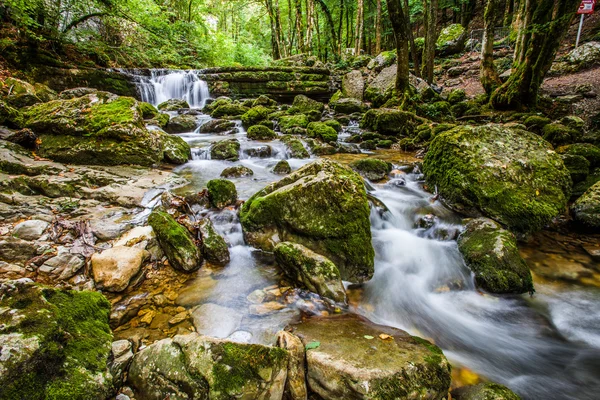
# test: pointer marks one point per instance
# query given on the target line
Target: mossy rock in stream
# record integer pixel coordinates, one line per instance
(176, 241)
(282, 167)
(492, 254)
(510, 175)
(229, 110)
(304, 105)
(287, 123)
(261, 132)
(392, 122)
(587, 208)
(148, 110)
(214, 247)
(173, 105)
(484, 391)
(182, 123)
(225, 150)
(255, 115)
(295, 147)
(322, 206)
(221, 193)
(323, 131)
(372, 168)
(55, 343)
(175, 150)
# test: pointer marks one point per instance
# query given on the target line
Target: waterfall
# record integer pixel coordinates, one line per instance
(163, 85)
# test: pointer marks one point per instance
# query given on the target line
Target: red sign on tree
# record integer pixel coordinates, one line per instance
(586, 7)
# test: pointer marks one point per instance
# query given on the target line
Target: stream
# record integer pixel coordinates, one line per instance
(546, 346)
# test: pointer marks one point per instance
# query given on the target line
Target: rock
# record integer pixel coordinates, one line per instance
(535, 123)
(16, 250)
(282, 168)
(311, 270)
(559, 134)
(99, 128)
(260, 132)
(64, 265)
(586, 209)
(303, 105)
(348, 359)
(353, 85)
(387, 121)
(136, 236)
(383, 59)
(30, 230)
(295, 147)
(214, 247)
(586, 150)
(107, 229)
(255, 115)
(263, 100)
(176, 150)
(371, 168)
(380, 89)
(322, 206)
(489, 390)
(238, 171)
(176, 241)
(585, 55)
(55, 343)
(225, 150)
(348, 106)
(114, 268)
(214, 320)
(9, 116)
(22, 94)
(229, 110)
(200, 367)
(25, 138)
(259, 151)
(451, 40)
(122, 355)
(578, 166)
(221, 193)
(173, 105)
(289, 123)
(321, 130)
(182, 123)
(474, 169)
(295, 385)
(217, 126)
(492, 254)
(266, 308)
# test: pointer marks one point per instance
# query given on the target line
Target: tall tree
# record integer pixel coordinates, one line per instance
(430, 8)
(360, 19)
(489, 77)
(542, 25)
(399, 22)
(378, 28)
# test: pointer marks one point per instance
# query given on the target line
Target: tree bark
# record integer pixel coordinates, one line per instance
(430, 8)
(398, 21)
(299, 27)
(411, 42)
(359, 27)
(378, 28)
(489, 77)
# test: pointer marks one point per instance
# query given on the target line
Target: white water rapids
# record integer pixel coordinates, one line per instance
(163, 85)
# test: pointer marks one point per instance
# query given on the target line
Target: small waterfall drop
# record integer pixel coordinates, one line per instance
(163, 85)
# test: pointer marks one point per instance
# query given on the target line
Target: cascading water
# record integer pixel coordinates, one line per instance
(163, 85)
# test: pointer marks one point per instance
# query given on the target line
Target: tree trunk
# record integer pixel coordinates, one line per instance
(411, 42)
(489, 76)
(340, 25)
(310, 9)
(359, 27)
(541, 30)
(274, 41)
(398, 21)
(329, 18)
(279, 31)
(378, 28)
(430, 19)
(299, 27)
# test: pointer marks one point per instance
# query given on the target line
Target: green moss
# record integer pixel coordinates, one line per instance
(586, 150)
(559, 134)
(485, 391)
(322, 131)
(148, 110)
(303, 105)
(449, 34)
(214, 247)
(173, 105)
(295, 147)
(456, 96)
(536, 123)
(288, 122)
(372, 168)
(10, 116)
(209, 108)
(391, 122)
(438, 111)
(385, 144)
(260, 132)
(587, 208)
(229, 110)
(236, 172)
(254, 115)
(336, 96)
(225, 150)
(221, 193)
(578, 166)
(175, 150)
(282, 167)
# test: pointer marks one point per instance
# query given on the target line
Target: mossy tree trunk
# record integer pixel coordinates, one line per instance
(489, 76)
(430, 8)
(398, 20)
(542, 25)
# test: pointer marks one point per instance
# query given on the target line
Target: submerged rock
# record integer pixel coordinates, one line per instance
(55, 343)
(492, 254)
(372, 168)
(322, 206)
(221, 193)
(214, 247)
(348, 357)
(114, 268)
(484, 391)
(507, 174)
(311, 270)
(200, 367)
(176, 241)
(587, 208)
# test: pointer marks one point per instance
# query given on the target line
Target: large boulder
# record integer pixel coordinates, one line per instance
(303, 105)
(348, 357)
(510, 175)
(392, 122)
(380, 89)
(322, 206)
(492, 254)
(587, 54)
(55, 344)
(348, 105)
(214, 247)
(114, 268)
(182, 123)
(353, 85)
(586, 209)
(176, 241)
(372, 168)
(484, 391)
(451, 40)
(311, 270)
(225, 150)
(98, 128)
(221, 193)
(176, 150)
(383, 59)
(199, 367)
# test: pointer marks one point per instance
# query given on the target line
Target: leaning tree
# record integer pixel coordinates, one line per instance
(541, 24)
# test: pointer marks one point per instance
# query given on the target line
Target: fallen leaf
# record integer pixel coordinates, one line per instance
(312, 345)
(368, 337)
(383, 336)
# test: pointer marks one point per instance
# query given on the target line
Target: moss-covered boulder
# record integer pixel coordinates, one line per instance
(484, 391)
(225, 150)
(510, 175)
(175, 150)
(229, 110)
(321, 130)
(217, 126)
(55, 343)
(288, 123)
(349, 357)
(578, 166)
(535, 123)
(9, 116)
(322, 206)
(310, 270)
(255, 115)
(98, 128)
(265, 101)
(148, 110)
(238, 171)
(214, 247)
(200, 367)
(492, 254)
(173, 105)
(19, 93)
(282, 167)
(182, 123)
(586, 209)
(372, 168)
(176, 241)
(391, 122)
(295, 147)
(451, 40)
(221, 193)
(456, 96)
(261, 132)
(334, 124)
(559, 134)
(303, 105)
(586, 150)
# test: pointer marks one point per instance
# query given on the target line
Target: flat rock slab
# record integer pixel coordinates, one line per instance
(349, 357)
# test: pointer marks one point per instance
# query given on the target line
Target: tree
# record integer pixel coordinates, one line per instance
(430, 8)
(541, 26)
(359, 27)
(489, 76)
(399, 23)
